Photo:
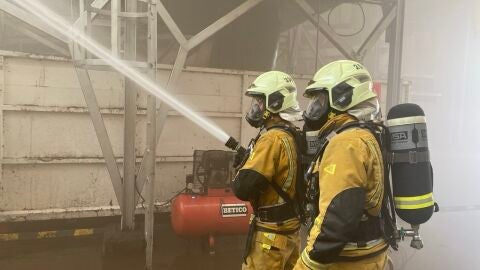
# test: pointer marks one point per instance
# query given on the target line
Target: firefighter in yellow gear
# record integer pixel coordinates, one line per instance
(268, 176)
(347, 233)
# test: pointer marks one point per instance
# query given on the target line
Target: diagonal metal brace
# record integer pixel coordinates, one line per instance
(47, 41)
(221, 23)
(101, 131)
(162, 113)
(172, 26)
(382, 25)
(345, 49)
(29, 19)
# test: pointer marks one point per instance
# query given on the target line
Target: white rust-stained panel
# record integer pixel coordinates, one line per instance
(26, 187)
(212, 92)
(54, 83)
(44, 186)
(49, 134)
(181, 137)
(52, 159)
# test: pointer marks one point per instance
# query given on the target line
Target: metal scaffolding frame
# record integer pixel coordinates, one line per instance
(338, 41)
(134, 177)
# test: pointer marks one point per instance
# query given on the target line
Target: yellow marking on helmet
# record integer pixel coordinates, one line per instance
(266, 115)
(330, 169)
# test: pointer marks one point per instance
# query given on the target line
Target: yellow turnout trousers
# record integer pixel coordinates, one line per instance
(271, 251)
(378, 262)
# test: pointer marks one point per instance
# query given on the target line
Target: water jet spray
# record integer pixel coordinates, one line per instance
(61, 25)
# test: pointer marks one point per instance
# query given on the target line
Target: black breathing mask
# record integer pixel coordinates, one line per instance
(316, 114)
(256, 115)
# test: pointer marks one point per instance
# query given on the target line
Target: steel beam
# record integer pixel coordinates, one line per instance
(151, 140)
(120, 14)
(115, 26)
(395, 57)
(163, 111)
(102, 135)
(172, 26)
(44, 40)
(98, 4)
(30, 19)
(2, 30)
(340, 43)
(2, 94)
(78, 52)
(180, 63)
(34, 56)
(84, 12)
(128, 213)
(87, 28)
(379, 29)
(221, 23)
(85, 21)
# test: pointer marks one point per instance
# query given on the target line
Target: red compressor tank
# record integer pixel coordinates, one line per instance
(215, 213)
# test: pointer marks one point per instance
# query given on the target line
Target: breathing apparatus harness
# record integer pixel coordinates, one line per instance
(408, 176)
(373, 227)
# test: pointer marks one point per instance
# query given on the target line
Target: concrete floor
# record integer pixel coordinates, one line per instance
(450, 239)
(171, 252)
(87, 254)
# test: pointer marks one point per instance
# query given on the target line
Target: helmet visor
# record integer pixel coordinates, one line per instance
(318, 106)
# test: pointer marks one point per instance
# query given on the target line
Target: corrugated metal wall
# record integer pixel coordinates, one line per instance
(51, 158)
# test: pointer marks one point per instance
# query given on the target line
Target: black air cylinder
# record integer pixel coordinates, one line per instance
(412, 176)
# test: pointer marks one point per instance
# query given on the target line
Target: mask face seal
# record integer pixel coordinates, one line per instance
(255, 116)
(316, 114)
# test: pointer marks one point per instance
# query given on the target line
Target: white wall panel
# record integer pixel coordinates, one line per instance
(52, 159)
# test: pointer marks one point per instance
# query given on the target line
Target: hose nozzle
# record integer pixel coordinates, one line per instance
(241, 155)
(233, 144)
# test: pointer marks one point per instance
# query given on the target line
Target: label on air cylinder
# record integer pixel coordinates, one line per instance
(234, 210)
(407, 137)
